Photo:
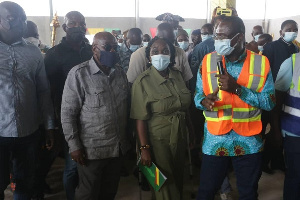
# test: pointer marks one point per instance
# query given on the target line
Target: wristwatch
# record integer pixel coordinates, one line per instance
(238, 91)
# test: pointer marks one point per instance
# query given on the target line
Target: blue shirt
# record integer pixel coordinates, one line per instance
(24, 90)
(233, 144)
(283, 82)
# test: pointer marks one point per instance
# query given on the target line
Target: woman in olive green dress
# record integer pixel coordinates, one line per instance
(160, 100)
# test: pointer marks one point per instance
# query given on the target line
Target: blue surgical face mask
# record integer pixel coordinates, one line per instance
(120, 43)
(145, 44)
(184, 45)
(133, 48)
(290, 36)
(205, 37)
(223, 47)
(260, 48)
(160, 61)
(256, 37)
(108, 59)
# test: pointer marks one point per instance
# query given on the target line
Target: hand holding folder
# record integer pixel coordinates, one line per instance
(153, 175)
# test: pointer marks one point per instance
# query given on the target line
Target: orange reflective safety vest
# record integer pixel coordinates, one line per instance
(230, 112)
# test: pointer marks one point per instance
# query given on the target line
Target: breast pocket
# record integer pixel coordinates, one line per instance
(162, 102)
(94, 97)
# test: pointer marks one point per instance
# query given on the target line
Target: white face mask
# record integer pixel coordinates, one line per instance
(184, 45)
(205, 37)
(133, 48)
(145, 44)
(256, 37)
(290, 36)
(33, 40)
(223, 46)
(120, 43)
(260, 48)
(160, 61)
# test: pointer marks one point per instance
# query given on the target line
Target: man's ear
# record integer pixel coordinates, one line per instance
(64, 26)
(280, 32)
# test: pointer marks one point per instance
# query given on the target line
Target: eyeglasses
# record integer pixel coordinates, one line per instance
(222, 37)
(109, 47)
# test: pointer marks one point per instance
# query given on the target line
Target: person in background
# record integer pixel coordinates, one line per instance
(277, 52)
(256, 32)
(161, 119)
(132, 42)
(183, 41)
(32, 35)
(232, 108)
(288, 98)
(146, 40)
(196, 39)
(171, 19)
(59, 60)
(262, 41)
(25, 97)
(93, 124)
(203, 48)
(138, 61)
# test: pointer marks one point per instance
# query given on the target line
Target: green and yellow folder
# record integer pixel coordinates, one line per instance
(153, 175)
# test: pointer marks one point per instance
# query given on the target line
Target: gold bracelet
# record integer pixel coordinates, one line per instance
(147, 146)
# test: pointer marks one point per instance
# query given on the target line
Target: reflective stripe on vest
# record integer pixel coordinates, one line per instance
(290, 119)
(231, 112)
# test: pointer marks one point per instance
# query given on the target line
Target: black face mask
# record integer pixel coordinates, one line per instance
(76, 34)
(108, 59)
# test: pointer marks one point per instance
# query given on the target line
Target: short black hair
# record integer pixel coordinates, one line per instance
(289, 21)
(220, 17)
(171, 46)
(267, 37)
(134, 31)
(209, 26)
(74, 12)
(14, 8)
(237, 24)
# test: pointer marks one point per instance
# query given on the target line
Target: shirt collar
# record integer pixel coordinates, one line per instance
(21, 41)
(240, 59)
(159, 79)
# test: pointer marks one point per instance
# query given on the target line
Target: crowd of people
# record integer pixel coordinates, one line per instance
(90, 103)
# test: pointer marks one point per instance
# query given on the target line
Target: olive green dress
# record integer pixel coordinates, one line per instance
(163, 104)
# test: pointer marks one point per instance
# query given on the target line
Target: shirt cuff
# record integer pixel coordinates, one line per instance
(50, 124)
(74, 145)
(198, 103)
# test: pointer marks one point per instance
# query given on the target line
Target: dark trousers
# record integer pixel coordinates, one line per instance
(99, 179)
(292, 175)
(247, 169)
(21, 152)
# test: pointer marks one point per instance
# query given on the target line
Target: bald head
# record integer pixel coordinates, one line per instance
(165, 30)
(135, 36)
(72, 15)
(103, 38)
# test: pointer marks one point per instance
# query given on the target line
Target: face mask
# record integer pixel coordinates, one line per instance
(175, 33)
(160, 62)
(133, 48)
(33, 40)
(184, 45)
(290, 36)
(256, 37)
(260, 48)
(108, 58)
(76, 33)
(205, 37)
(120, 43)
(223, 46)
(145, 44)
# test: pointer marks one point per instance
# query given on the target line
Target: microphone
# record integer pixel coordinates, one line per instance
(220, 64)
